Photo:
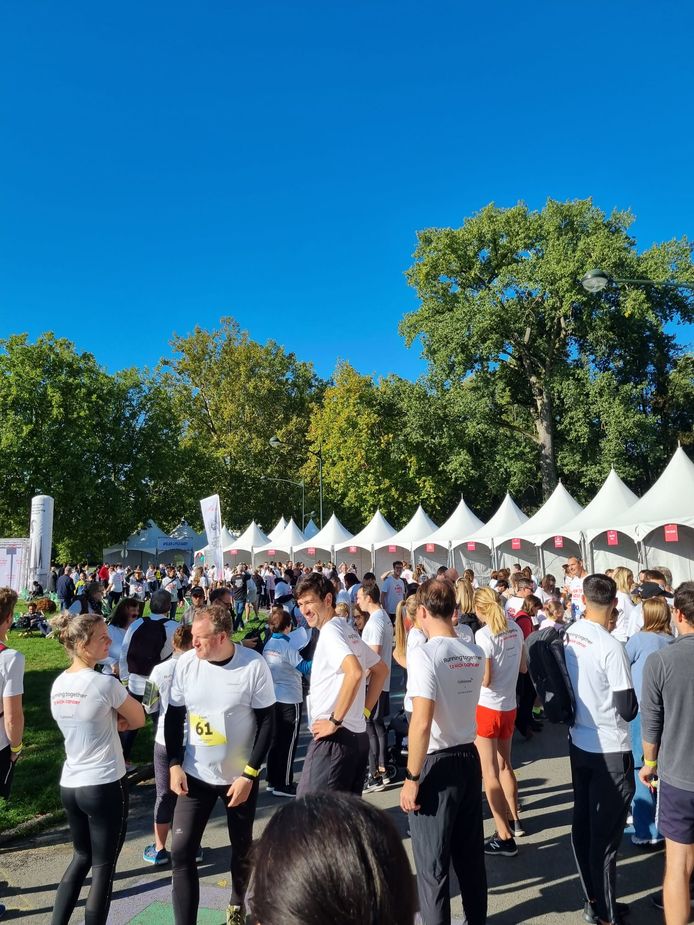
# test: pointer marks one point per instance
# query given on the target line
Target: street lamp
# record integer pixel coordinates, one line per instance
(597, 280)
(302, 484)
(275, 443)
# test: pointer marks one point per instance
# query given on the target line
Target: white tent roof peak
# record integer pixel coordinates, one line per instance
(251, 538)
(507, 518)
(461, 522)
(310, 529)
(410, 536)
(550, 520)
(612, 500)
(287, 541)
(329, 537)
(278, 528)
(376, 531)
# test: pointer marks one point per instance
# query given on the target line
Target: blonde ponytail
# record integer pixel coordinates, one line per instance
(488, 609)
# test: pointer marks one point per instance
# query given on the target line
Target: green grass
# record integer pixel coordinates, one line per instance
(35, 787)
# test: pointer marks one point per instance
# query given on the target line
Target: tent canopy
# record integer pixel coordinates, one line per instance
(278, 529)
(613, 499)
(287, 541)
(504, 522)
(550, 520)
(332, 534)
(461, 523)
(411, 535)
(251, 538)
(376, 531)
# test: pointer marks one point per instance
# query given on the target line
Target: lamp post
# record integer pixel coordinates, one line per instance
(597, 280)
(302, 484)
(275, 443)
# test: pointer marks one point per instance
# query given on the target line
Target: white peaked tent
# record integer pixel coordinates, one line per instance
(377, 530)
(278, 529)
(606, 548)
(332, 534)
(663, 520)
(310, 529)
(461, 523)
(405, 541)
(475, 547)
(546, 529)
(250, 540)
(286, 542)
(228, 540)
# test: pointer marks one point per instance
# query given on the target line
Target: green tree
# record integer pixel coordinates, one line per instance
(501, 305)
(232, 394)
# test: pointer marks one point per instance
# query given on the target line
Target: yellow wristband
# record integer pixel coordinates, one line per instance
(367, 712)
(250, 771)
(650, 764)
(16, 749)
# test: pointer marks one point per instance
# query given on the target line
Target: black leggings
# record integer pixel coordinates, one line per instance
(98, 818)
(190, 818)
(378, 738)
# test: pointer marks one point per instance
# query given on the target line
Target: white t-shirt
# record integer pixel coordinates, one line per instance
(379, 632)
(449, 672)
(117, 635)
(138, 588)
(513, 606)
(622, 630)
(220, 700)
(84, 705)
(392, 592)
(11, 683)
(116, 581)
(162, 676)
(172, 585)
(598, 666)
(337, 640)
(407, 575)
(415, 639)
(576, 591)
(136, 682)
(282, 588)
(505, 652)
(282, 658)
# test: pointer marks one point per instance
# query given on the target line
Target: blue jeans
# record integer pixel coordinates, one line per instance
(239, 608)
(644, 802)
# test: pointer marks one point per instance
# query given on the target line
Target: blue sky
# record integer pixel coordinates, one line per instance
(164, 164)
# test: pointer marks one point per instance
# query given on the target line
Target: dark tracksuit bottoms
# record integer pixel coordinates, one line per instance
(603, 789)
(336, 762)
(447, 829)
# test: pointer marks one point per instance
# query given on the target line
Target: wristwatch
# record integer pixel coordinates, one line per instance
(335, 722)
(414, 777)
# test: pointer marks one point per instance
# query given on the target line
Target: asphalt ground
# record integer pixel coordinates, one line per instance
(538, 886)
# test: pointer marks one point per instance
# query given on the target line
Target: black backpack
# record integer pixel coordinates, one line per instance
(144, 651)
(547, 667)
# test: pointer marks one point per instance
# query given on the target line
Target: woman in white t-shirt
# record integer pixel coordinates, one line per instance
(624, 579)
(89, 709)
(502, 643)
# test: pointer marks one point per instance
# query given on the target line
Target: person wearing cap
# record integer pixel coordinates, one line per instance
(138, 585)
(197, 602)
(651, 586)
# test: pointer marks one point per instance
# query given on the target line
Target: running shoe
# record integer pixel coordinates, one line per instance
(236, 915)
(199, 854)
(385, 777)
(505, 847)
(516, 827)
(285, 791)
(152, 856)
(270, 789)
(590, 916)
(3, 910)
(647, 842)
(374, 784)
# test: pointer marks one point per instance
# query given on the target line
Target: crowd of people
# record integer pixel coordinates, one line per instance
(224, 711)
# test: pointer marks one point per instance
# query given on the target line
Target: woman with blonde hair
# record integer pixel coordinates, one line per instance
(90, 709)
(655, 635)
(405, 626)
(465, 605)
(501, 640)
(624, 579)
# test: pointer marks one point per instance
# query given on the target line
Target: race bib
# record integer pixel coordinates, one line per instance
(207, 730)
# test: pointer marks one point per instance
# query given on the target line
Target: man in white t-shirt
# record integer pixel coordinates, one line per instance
(378, 635)
(393, 590)
(338, 702)
(573, 588)
(442, 792)
(171, 583)
(602, 764)
(226, 693)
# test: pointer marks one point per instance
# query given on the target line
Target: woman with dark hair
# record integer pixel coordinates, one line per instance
(127, 610)
(342, 862)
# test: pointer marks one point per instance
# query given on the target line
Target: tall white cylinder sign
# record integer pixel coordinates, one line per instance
(40, 539)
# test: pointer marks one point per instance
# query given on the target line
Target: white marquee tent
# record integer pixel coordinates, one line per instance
(404, 542)
(376, 531)
(249, 541)
(438, 546)
(324, 542)
(278, 529)
(606, 548)
(286, 542)
(228, 539)
(546, 530)
(484, 543)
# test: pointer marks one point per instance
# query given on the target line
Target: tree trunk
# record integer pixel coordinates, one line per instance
(544, 425)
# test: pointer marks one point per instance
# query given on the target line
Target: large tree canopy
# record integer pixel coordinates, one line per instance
(502, 310)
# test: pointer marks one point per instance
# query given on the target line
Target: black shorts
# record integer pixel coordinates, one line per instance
(675, 813)
(6, 772)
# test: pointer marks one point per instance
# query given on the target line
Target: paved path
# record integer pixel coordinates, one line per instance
(538, 886)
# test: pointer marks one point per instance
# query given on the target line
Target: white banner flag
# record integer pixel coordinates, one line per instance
(212, 518)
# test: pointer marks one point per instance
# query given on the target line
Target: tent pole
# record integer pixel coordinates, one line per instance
(541, 554)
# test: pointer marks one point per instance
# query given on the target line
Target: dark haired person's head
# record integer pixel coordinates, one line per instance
(368, 576)
(315, 595)
(221, 596)
(501, 585)
(342, 862)
(684, 601)
(368, 594)
(350, 580)
(160, 602)
(127, 610)
(599, 590)
(198, 593)
(441, 571)
(279, 620)
(437, 598)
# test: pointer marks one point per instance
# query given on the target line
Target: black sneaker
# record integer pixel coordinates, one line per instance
(506, 847)
(517, 828)
(283, 791)
(590, 916)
